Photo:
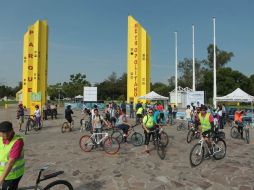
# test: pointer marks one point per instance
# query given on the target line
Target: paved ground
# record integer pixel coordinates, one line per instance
(132, 169)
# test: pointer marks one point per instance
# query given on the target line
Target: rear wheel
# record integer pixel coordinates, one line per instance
(220, 149)
(247, 136)
(111, 145)
(86, 143)
(190, 136)
(59, 185)
(234, 132)
(117, 135)
(65, 126)
(137, 139)
(196, 155)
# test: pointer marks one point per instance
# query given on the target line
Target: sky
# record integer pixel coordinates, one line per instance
(90, 36)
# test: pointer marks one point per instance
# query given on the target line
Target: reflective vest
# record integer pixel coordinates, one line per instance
(148, 121)
(19, 165)
(205, 122)
(140, 110)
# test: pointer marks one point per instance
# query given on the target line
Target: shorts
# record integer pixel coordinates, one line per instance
(139, 115)
(21, 119)
(207, 133)
(69, 119)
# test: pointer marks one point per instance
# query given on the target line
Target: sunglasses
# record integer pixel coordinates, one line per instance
(150, 112)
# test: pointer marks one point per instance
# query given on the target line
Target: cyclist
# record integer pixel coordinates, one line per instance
(207, 125)
(12, 163)
(238, 118)
(37, 115)
(148, 126)
(139, 115)
(20, 115)
(122, 123)
(97, 122)
(68, 113)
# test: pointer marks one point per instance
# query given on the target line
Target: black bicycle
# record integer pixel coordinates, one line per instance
(31, 123)
(55, 185)
(236, 134)
(135, 137)
(158, 142)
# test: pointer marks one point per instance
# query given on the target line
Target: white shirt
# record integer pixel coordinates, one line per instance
(37, 113)
(188, 113)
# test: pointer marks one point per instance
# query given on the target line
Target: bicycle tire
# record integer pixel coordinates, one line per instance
(109, 142)
(59, 182)
(247, 136)
(137, 139)
(190, 136)
(234, 132)
(179, 127)
(86, 143)
(202, 155)
(215, 155)
(118, 135)
(161, 150)
(64, 127)
(164, 138)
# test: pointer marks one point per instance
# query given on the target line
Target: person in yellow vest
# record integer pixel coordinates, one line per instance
(12, 163)
(148, 126)
(207, 125)
(139, 115)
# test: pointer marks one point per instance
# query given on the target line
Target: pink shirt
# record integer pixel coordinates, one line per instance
(16, 150)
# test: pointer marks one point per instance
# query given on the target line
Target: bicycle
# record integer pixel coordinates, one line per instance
(85, 125)
(57, 185)
(136, 137)
(235, 133)
(183, 125)
(109, 144)
(67, 126)
(193, 133)
(159, 145)
(32, 124)
(218, 151)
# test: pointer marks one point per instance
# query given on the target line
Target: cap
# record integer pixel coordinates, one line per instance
(5, 126)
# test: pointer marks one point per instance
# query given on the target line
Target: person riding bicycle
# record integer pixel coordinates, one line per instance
(12, 163)
(20, 115)
(238, 118)
(68, 112)
(139, 114)
(37, 115)
(207, 125)
(148, 126)
(122, 123)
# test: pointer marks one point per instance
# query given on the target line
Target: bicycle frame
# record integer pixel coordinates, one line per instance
(93, 137)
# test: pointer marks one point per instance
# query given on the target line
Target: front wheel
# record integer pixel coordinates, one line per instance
(220, 149)
(196, 155)
(137, 139)
(190, 136)
(164, 138)
(59, 184)
(247, 136)
(111, 145)
(234, 132)
(161, 150)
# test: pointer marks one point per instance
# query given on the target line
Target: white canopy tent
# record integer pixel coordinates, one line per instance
(238, 96)
(78, 97)
(153, 96)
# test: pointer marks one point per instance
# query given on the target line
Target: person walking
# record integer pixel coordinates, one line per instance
(12, 163)
(131, 110)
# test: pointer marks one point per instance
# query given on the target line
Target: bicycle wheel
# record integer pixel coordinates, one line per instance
(234, 132)
(161, 150)
(137, 139)
(190, 136)
(164, 138)
(65, 126)
(111, 145)
(247, 136)
(59, 185)
(86, 143)
(117, 135)
(196, 155)
(220, 149)
(179, 127)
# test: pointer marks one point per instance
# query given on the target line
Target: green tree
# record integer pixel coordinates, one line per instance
(161, 88)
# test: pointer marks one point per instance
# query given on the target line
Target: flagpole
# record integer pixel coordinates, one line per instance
(193, 57)
(176, 64)
(214, 67)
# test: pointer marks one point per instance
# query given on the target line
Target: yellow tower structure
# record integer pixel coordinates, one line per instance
(138, 61)
(35, 65)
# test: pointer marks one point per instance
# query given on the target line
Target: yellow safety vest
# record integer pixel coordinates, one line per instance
(18, 168)
(205, 122)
